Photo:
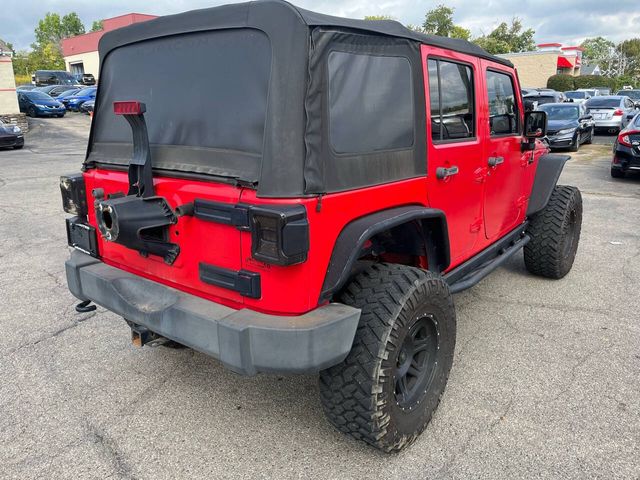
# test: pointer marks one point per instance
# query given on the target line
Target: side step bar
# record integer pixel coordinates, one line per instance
(475, 269)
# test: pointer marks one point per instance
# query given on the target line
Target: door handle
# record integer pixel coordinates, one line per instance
(495, 161)
(443, 173)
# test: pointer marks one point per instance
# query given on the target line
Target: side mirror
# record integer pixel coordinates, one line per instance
(535, 125)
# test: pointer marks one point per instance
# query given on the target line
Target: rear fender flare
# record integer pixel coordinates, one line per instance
(349, 244)
(547, 175)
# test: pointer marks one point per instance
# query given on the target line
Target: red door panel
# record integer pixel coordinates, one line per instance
(454, 142)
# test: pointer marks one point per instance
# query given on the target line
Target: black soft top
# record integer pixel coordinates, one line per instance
(279, 54)
(239, 15)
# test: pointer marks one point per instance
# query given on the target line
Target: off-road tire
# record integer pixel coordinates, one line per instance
(359, 395)
(617, 173)
(555, 234)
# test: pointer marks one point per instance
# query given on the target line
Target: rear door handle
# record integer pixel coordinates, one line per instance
(442, 172)
(495, 161)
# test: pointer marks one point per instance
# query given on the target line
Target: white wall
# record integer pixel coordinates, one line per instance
(90, 60)
(8, 97)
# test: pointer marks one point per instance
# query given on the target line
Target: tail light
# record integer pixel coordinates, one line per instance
(624, 139)
(618, 112)
(279, 236)
(74, 195)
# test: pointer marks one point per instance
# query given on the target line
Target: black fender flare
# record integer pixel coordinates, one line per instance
(547, 175)
(354, 235)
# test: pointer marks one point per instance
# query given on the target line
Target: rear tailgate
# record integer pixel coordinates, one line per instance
(200, 241)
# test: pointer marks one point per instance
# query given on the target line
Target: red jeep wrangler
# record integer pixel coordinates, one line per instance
(310, 200)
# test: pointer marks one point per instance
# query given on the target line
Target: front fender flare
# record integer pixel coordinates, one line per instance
(547, 175)
(354, 235)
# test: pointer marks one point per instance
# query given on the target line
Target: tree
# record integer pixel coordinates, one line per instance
(439, 21)
(378, 17)
(460, 32)
(631, 50)
(98, 25)
(507, 38)
(53, 28)
(596, 49)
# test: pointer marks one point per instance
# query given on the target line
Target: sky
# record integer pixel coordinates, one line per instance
(564, 21)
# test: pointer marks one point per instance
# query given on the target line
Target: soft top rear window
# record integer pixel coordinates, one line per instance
(215, 125)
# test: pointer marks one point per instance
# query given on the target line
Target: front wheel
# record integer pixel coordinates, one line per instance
(575, 146)
(589, 139)
(555, 234)
(387, 389)
(32, 112)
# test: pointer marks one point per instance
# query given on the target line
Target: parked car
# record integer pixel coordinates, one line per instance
(63, 97)
(592, 92)
(632, 94)
(569, 125)
(52, 77)
(11, 136)
(87, 107)
(341, 230)
(54, 90)
(39, 104)
(626, 150)
(85, 78)
(610, 112)
(75, 101)
(547, 96)
(603, 90)
(577, 96)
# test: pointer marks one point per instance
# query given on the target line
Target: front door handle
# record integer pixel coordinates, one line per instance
(443, 172)
(495, 161)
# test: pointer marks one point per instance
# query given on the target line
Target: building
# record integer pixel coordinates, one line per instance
(535, 68)
(9, 109)
(81, 52)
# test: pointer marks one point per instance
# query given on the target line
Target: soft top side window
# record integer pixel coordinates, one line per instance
(504, 118)
(451, 97)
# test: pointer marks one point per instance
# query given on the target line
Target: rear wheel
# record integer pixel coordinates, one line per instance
(32, 112)
(555, 233)
(589, 139)
(617, 173)
(386, 390)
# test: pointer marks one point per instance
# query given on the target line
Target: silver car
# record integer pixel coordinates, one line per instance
(611, 112)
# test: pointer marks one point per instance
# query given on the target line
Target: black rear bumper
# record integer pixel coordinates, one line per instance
(243, 340)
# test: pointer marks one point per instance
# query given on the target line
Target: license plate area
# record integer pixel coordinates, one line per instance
(82, 236)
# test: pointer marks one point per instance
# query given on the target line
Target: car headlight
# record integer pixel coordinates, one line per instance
(566, 131)
(16, 129)
(40, 106)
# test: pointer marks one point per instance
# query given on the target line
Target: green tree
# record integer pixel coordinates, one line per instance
(631, 49)
(596, 49)
(507, 38)
(378, 17)
(460, 32)
(53, 28)
(439, 21)
(97, 25)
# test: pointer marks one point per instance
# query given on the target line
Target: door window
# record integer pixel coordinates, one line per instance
(452, 101)
(503, 107)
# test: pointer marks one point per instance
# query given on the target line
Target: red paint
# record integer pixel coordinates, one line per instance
(477, 195)
(564, 62)
(88, 42)
(545, 45)
(7, 89)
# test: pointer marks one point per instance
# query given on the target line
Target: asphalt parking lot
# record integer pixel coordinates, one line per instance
(545, 382)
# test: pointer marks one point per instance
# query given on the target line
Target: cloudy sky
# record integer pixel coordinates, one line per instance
(566, 21)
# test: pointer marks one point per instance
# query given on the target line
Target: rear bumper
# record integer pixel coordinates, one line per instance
(245, 341)
(612, 123)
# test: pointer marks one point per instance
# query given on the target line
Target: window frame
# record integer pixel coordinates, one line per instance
(329, 140)
(518, 132)
(442, 58)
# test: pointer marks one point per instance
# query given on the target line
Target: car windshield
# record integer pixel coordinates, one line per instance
(603, 103)
(35, 95)
(635, 94)
(542, 99)
(561, 112)
(576, 95)
(86, 91)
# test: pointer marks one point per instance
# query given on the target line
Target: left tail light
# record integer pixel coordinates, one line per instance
(74, 194)
(279, 236)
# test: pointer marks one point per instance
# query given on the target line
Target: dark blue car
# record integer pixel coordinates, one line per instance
(74, 102)
(39, 104)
